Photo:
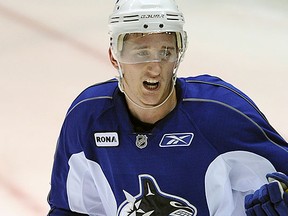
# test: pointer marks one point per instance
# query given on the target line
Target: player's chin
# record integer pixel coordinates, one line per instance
(148, 101)
(153, 101)
(153, 97)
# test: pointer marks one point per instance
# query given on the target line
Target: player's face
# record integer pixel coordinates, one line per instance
(148, 81)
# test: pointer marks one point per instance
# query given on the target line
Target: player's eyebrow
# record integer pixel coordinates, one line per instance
(169, 47)
(137, 46)
(146, 47)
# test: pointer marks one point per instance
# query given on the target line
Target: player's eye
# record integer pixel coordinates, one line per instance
(142, 53)
(165, 53)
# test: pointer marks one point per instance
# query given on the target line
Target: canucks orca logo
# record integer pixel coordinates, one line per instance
(152, 201)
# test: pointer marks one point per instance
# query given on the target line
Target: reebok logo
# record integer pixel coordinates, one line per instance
(108, 139)
(176, 140)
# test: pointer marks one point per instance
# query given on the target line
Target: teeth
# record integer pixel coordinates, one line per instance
(151, 82)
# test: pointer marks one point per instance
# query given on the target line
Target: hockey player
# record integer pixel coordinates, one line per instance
(149, 143)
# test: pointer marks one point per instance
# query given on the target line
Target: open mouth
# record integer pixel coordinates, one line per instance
(151, 85)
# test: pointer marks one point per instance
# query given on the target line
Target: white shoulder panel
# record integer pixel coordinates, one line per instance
(230, 177)
(88, 189)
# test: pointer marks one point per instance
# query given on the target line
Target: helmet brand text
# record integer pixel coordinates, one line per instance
(152, 16)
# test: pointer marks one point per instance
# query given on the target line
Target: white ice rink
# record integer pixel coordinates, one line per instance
(52, 49)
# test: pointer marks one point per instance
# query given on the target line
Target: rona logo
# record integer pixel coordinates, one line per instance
(108, 139)
(152, 16)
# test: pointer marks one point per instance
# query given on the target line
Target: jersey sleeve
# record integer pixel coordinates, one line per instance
(231, 121)
(66, 147)
(248, 147)
(78, 185)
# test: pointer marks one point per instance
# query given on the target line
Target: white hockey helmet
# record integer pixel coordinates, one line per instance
(146, 16)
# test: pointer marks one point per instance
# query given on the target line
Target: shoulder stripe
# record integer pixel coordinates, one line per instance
(88, 99)
(234, 91)
(238, 111)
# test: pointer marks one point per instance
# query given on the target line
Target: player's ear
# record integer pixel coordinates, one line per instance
(112, 59)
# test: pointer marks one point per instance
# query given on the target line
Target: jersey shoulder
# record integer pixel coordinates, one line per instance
(97, 93)
(212, 87)
(216, 96)
(209, 88)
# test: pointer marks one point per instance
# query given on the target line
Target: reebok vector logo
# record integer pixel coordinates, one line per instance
(176, 140)
(108, 139)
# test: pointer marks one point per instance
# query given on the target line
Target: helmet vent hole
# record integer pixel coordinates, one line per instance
(145, 26)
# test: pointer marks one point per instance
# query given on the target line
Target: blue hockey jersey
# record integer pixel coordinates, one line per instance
(214, 148)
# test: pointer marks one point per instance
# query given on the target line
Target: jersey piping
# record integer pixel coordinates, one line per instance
(232, 90)
(238, 111)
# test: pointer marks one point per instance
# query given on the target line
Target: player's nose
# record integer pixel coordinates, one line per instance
(154, 68)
